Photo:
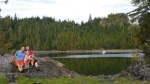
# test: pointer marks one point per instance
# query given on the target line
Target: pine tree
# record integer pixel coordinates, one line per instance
(142, 13)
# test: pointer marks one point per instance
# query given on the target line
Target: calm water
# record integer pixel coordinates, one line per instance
(95, 64)
(95, 56)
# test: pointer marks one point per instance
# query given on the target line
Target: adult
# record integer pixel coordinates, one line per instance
(19, 62)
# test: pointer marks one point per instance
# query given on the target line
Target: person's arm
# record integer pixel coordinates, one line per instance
(32, 54)
(12, 58)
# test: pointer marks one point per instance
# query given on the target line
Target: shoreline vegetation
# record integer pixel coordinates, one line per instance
(64, 80)
(87, 51)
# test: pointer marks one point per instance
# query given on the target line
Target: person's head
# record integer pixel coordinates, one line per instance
(22, 49)
(27, 52)
(27, 48)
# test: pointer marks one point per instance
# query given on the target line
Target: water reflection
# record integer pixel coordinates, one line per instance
(96, 64)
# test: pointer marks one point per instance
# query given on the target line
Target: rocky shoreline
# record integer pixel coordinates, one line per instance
(49, 68)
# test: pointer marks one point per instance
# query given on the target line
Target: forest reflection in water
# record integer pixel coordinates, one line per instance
(96, 64)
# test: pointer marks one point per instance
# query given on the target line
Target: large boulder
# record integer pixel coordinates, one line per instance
(139, 70)
(47, 68)
(5, 66)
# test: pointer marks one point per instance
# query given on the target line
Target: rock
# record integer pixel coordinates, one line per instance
(139, 71)
(11, 78)
(136, 70)
(108, 78)
(5, 66)
(122, 74)
(48, 68)
(116, 76)
(58, 63)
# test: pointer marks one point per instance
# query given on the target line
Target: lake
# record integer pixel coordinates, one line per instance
(95, 64)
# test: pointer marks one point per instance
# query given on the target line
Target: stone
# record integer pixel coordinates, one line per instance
(48, 68)
(136, 70)
(139, 71)
(11, 78)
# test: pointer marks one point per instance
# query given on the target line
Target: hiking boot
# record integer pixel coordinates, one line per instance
(22, 71)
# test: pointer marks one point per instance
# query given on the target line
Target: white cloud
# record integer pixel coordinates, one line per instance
(77, 10)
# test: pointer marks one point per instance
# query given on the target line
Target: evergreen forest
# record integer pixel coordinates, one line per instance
(112, 32)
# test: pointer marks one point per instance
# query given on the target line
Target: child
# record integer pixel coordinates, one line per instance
(27, 59)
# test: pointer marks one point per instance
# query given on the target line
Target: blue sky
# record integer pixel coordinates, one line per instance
(77, 10)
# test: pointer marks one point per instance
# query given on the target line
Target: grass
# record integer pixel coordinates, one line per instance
(3, 79)
(62, 80)
(129, 80)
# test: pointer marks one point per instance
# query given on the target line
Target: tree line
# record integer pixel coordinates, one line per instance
(111, 32)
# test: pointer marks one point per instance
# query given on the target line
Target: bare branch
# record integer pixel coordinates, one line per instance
(6, 1)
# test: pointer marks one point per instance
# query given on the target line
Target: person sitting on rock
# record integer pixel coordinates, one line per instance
(36, 64)
(32, 61)
(19, 55)
(27, 59)
(31, 53)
